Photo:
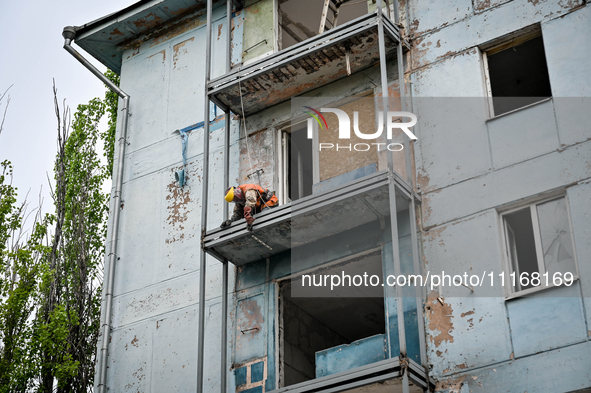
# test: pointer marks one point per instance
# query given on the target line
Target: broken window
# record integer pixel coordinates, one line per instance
(517, 74)
(539, 244)
(315, 332)
(302, 19)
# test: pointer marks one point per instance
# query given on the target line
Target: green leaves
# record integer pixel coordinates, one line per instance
(51, 275)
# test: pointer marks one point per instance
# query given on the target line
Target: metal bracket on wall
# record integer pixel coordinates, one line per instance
(255, 45)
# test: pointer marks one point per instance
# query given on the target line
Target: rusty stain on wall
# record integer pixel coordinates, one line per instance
(439, 317)
(162, 52)
(179, 49)
(149, 21)
(177, 201)
(453, 385)
(252, 312)
(116, 32)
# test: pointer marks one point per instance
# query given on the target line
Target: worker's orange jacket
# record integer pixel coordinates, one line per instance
(256, 197)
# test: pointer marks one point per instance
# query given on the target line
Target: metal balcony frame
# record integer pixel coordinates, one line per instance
(299, 51)
(393, 367)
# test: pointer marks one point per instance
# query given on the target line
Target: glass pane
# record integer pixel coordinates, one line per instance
(513, 254)
(557, 244)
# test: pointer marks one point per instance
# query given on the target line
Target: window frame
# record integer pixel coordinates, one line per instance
(506, 42)
(510, 291)
(283, 162)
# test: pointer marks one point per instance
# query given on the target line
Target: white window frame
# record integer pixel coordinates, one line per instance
(510, 291)
(283, 162)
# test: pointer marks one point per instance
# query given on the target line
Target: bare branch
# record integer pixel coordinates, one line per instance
(5, 109)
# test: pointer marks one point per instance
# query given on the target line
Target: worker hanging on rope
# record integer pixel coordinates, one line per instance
(249, 199)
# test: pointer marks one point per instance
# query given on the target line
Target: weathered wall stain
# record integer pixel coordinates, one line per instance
(180, 49)
(177, 206)
(439, 315)
(252, 311)
(452, 385)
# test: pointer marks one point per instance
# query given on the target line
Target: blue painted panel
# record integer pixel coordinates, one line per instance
(240, 376)
(251, 328)
(251, 275)
(546, 320)
(344, 178)
(258, 389)
(346, 357)
(409, 293)
(257, 372)
(271, 348)
(390, 303)
(332, 248)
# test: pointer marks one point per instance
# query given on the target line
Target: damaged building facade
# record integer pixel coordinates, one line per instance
(496, 186)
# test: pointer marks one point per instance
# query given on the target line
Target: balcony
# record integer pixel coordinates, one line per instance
(314, 217)
(317, 61)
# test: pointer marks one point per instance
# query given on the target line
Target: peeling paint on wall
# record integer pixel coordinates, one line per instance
(439, 316)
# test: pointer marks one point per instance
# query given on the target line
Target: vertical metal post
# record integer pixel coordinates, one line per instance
(224, 327)
(402, 87)
(392, 194)
(419, 290)
(227, 113)
(224, 335)
(205, 178)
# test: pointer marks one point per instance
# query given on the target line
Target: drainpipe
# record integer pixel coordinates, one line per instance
(69, 35)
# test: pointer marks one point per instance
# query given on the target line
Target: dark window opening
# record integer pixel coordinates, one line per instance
(311, 324)
(301, 19)
(521, 243)
(300, 167)
(518, 76)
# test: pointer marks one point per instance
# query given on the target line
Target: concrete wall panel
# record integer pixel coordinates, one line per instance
(459, 75)
(186, 89)
(579, 200)
(522, 135)
(462, 330)
(452, 149)
(547, 320)
(130, 366)
(484, 27)
(432, 15)
(147, 75)
(169, 295)
(565, 52)
(548, 372)
(137, 260)
(557, 169)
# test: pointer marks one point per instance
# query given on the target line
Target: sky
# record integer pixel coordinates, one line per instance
(31, 56)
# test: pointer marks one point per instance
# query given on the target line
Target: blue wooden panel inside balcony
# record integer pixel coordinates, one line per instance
(349, 356)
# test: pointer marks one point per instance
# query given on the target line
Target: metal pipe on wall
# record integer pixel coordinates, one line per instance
(205, 180)
(69, 34)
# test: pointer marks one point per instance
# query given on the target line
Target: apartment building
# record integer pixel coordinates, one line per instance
(489, 192)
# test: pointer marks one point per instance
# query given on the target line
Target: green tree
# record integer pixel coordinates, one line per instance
(68, 325)
(22, 257)
(51, 275)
